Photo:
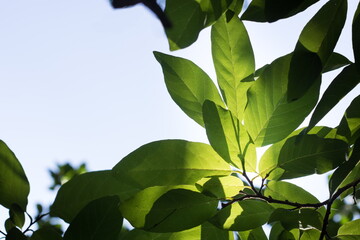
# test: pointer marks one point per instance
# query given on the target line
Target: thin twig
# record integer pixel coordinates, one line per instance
(2, 233)
(330, 202)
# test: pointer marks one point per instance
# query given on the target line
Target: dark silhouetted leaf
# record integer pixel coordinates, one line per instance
(356, 37)
(316, 44)
(17, 215)
(349, 126)
(14, 186)
(15, 234)
(46, 233)
(335, 61)
(188, 85)
(273, 10)
(99, 220)
(187, 20)
(345, 169)
(254, 234)
(339, 87)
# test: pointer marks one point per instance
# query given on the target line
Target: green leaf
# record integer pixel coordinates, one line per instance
(316, 44)
(168, 208)
(228, 137)
(309, 154)
(350, 124)
(311, 234)
(254, 234)
(345, 169)
(273, 10)
(356, 36)
(223, 187)
(234, 9)
(214, 9)
(339, 87)
(81, 190)
(299, 218)
(290, 192)
(99, 220)
(17, 215)
(15, 233)
(206, 231)
(278, 232)
(234, 61)
(187, 20)
(170, 162)
(243, 215)
(269, 162)
(268, 116)
(14, 186)
(188, 85)
(9, 225)
(351, 177)
(46, 233)
(350, 230)
(335, 61)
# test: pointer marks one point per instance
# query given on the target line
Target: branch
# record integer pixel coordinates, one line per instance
(2, 233)
(269, 199)
(330, 202)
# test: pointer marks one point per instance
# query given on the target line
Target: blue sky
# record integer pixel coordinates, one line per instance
(79, 82)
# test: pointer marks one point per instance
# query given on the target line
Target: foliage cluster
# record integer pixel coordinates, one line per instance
(177, 189)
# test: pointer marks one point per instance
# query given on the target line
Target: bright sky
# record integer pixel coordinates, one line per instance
(79, 82)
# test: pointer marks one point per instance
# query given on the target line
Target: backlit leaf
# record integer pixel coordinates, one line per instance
(350, 230)
(316, 43)
(188, 85)
(81, 190)
(170, 162)
(206, 231)
(290, 192)
(269, 162)
(311, 234)
(223, 187)
(299, 218)
(234, 61)
(99, 220)
(14, 186)
(311, 154)
(268, 116)
(228, 137)
(168, 208)
(243, 215)
(273, 10)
